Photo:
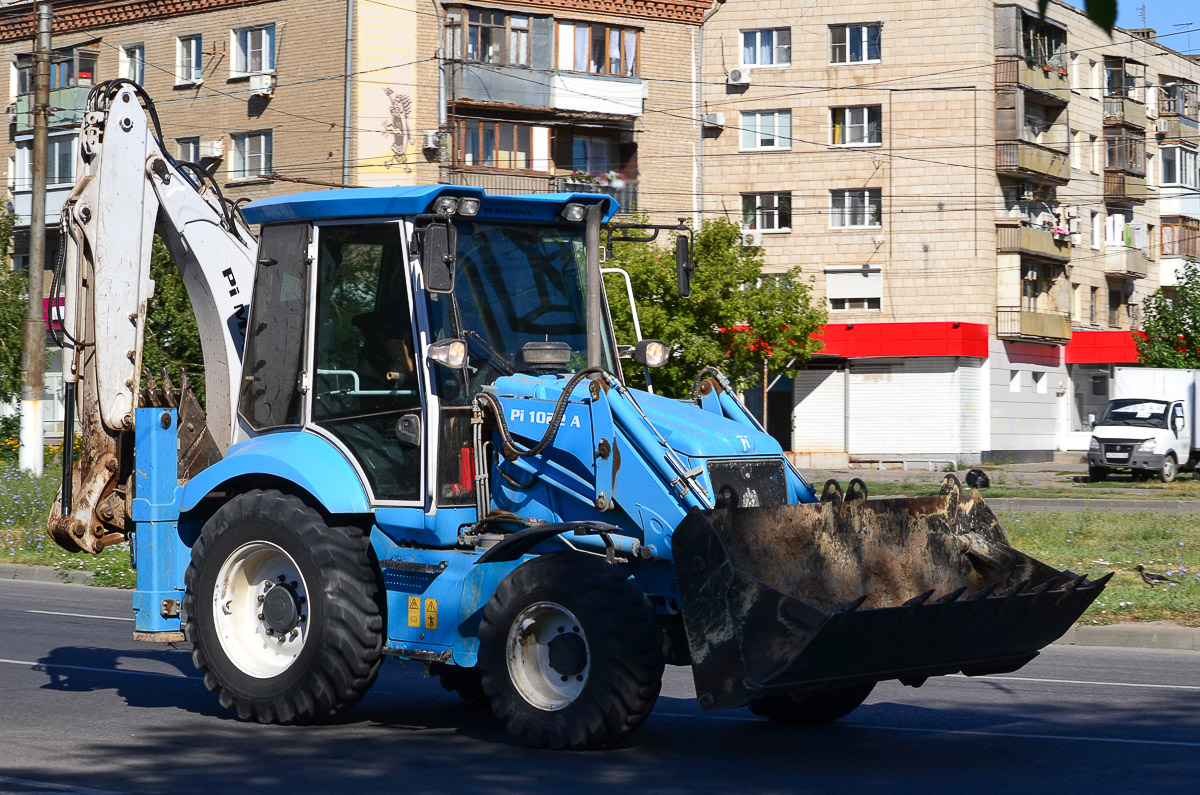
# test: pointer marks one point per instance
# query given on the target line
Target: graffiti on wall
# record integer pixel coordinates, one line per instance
(399, 128)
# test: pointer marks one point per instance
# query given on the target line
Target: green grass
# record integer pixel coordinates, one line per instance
(25, 503)
(1097, 543)
(1064, 486)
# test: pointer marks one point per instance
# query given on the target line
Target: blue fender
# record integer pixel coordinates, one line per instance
(305, 459)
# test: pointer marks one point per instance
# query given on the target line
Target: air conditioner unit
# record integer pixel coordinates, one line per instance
(431, 139)
(1160, 127)
(714, 121)
(738, 77)
(11, 112)
(1076, 226)
(751, 237)
(262, 85)
(1031, 275)
(212, 149)
(1027, 192)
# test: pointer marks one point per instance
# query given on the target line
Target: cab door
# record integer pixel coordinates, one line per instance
(366, 391)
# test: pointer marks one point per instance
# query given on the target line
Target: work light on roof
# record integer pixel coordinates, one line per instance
(574, 212)
(446, 205)
(468, 206)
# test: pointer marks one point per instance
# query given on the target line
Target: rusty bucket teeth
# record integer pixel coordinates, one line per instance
(846, 591)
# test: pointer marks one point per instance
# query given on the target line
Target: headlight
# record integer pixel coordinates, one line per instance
(449, 353)
(651, 353)
(446, 205)
(1148, 446)
(1094, 445)
(468, 206)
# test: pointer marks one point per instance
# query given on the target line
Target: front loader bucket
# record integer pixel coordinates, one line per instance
(847, 591)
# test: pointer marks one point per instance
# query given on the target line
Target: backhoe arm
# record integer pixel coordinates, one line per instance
(127, 190)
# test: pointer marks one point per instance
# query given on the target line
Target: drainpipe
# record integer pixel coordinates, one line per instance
(346, 106)
(698, 89)
(441, 57)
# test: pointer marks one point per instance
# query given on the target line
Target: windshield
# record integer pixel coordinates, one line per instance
(1136, 411)
(516, 285)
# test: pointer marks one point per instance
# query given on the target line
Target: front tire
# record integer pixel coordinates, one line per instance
(570, 652)
(1169, 470)
(812, 708)
(282, 611)
(1097, 474)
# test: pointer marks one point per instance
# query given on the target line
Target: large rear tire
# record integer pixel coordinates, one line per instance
(812, 708)
(570, 652)
(282, 611)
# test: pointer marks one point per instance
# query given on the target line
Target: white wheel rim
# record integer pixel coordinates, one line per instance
(1168, 466)
(247, 575)
(528, 652)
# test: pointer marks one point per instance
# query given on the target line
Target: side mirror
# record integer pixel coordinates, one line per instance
(437, 257)
(1091, 419)
(683, 265)
(1177, 423)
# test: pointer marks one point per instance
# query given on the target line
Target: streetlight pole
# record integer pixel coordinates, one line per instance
(33, 359)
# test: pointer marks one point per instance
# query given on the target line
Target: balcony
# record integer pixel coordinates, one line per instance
(1032, 242)
(1030, 160)
(1052, 85)
(1123, 110)
(568, 91)
(23, 204)
(1015, 323)
(1124, 188)
(67, 106)
(1126, 261)
(1178, 129)
(626, 194)
(495, 182)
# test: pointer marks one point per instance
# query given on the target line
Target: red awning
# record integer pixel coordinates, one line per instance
(1102, 347)
(865, 340)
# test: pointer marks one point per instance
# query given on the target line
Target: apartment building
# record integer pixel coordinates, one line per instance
(284, 95)
(982, 198)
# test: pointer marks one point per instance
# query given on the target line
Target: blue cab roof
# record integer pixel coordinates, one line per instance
(398, 201)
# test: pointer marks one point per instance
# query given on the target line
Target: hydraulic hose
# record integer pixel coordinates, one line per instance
(700, 379)
(511, 448)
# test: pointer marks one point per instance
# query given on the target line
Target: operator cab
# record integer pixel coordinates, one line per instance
(341, 325)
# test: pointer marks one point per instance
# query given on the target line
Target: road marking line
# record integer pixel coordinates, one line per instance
(967, 732)
(78, 615)
(47, 668)
(1074, 682)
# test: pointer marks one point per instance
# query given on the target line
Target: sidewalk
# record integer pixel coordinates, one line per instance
(1151, 635)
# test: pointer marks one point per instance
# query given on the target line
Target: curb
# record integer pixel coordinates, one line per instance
(1156, 635)
(19, 571)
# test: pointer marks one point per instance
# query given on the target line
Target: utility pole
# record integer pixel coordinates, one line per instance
(33, 359)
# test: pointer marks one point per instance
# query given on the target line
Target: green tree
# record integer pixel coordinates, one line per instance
(14, 287)
(735, 318)
(1171, 325)
(172, 340)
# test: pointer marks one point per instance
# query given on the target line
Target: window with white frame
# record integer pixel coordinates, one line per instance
(856, 126)
(1179, 166)
(854, 288)
(767, 129)
(1097, 230)
(854, 43)
(856, 208)
(597, 48)
(253, 50)
(767, 211)
(132, 59)
(189, 150)
(767, 47)
(189, 59)
(60, 162)
(252, 155)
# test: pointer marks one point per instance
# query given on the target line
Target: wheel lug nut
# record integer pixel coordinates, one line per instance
(294, 584)
(260, 616)
(281, 578)
(260, 598)
(562, 629)
(564, 678)
(579, 678)
(270, 631)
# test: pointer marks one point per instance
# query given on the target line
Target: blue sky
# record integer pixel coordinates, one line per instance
(1163, 16)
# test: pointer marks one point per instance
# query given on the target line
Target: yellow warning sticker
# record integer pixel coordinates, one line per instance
(431, 614)
(414, 611)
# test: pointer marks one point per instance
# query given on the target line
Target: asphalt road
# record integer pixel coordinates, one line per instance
(84, 708)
